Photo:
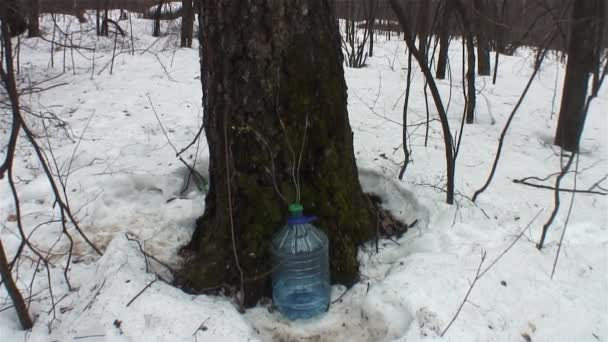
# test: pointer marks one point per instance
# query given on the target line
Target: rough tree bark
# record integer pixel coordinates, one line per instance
(273, 91)
(187, 28)
(587, 22)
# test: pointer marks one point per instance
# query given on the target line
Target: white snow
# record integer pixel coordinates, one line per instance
(125, 179)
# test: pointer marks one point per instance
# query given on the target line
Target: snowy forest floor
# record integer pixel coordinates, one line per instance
(124, 181)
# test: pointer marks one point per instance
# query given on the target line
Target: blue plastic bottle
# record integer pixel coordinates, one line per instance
(300, 279)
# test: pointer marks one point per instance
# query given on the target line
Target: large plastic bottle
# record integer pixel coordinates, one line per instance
(300, 279)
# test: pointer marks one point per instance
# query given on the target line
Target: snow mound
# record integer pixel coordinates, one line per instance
(107, 306)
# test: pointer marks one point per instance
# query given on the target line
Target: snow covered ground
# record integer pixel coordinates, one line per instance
(125, 183)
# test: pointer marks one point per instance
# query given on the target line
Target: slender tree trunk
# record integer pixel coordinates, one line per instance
(470, 76)
(400, 12)
(444, 40)
(406, 150)
(481, 32)
(587, 21)
(187, 23)
(13, 292)
(98, 18)
(157, 15)
(8, 78)
(14, 18)
(105, 24)
(499, 40)
(33, 28)
(423, 27)
(373, 7)
(275, 116)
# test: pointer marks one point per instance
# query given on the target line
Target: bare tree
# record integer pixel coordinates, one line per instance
(450, 151)
(353, 42)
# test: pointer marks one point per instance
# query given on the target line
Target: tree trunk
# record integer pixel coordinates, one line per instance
(14, 18)
(33, 29)
(8, 79)
(156, 21)
(423, 27)
(187, 23)
(104, 23)
(274, 97)
(13, 292)
(373, 8)
(482, 30)
(470, 76)
(98, 18)
(444, 40)
(587, 22)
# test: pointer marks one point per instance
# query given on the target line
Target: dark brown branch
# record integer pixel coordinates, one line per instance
(408, 84)
(558, 181)
(13, 292)
(548, 187)
(561, 238)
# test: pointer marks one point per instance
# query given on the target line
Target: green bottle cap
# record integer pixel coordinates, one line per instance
(295, 209)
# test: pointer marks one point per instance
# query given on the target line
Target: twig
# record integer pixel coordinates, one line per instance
(87, 336)
(201, 326)
(241, 299)
(90, 304)
(466, 297)
(342, 295)
(558, 181)
(142, 291)
(510, 246)
(548, 187)
(148, 255)
(198, 177)
(561, 238)
(284, 130)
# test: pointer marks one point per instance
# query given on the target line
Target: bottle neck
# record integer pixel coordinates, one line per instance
(292, 221)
